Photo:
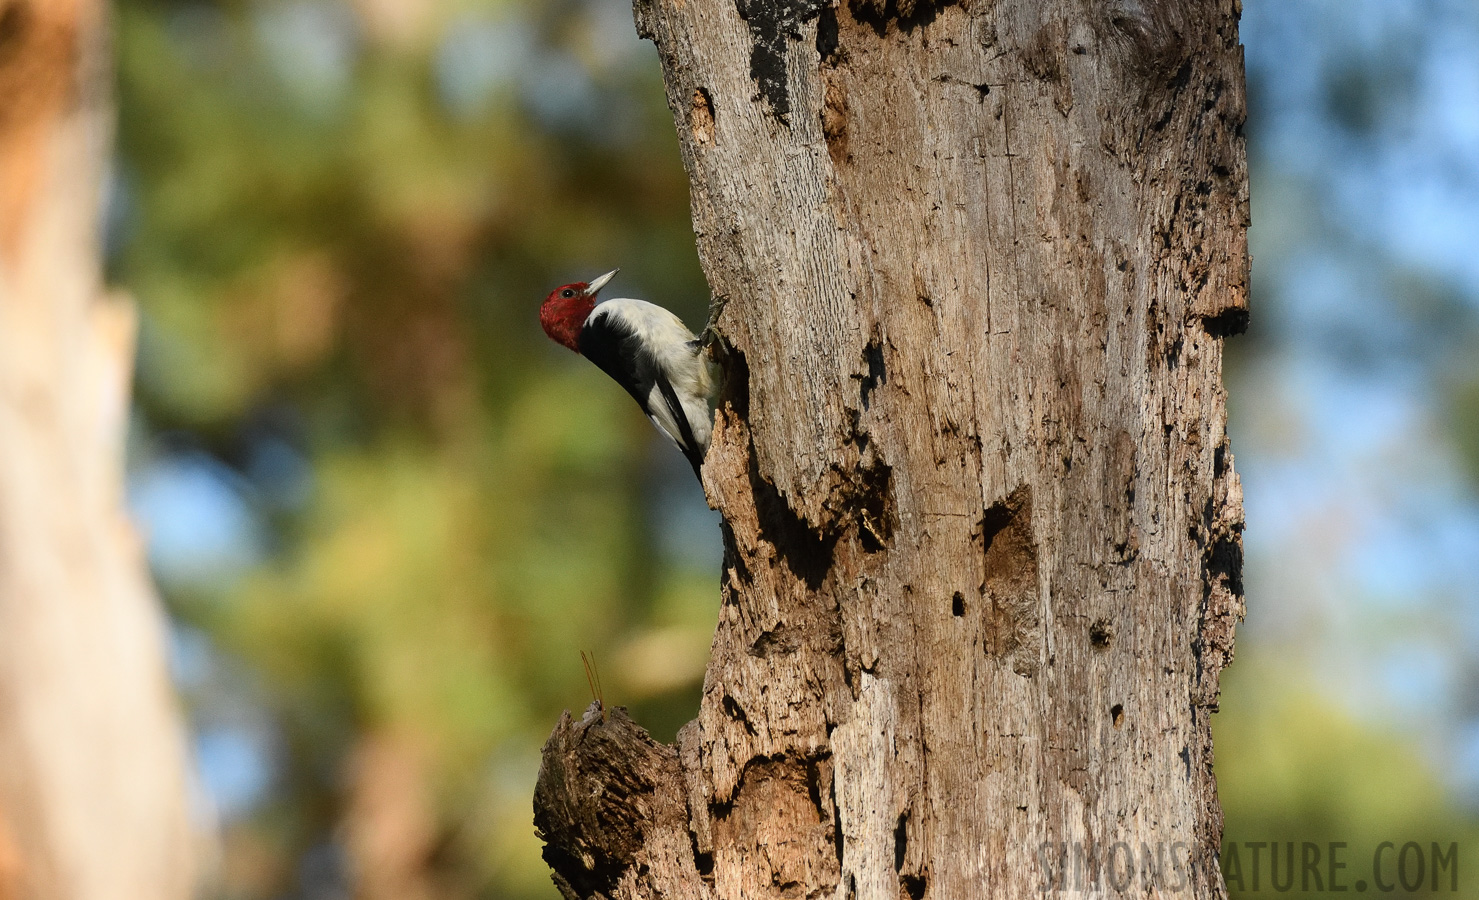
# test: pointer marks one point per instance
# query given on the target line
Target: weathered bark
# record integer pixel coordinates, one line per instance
(983, 531)
(92, 775)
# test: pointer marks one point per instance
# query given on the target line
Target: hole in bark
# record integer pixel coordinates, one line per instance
(907, 14)
(733, 559)
(1182, 77)
(914, 886)
(1224, 562)
(874, 500)
(703, 862)
(873, 13)
(877, 373)
(995, 520)
(1227, 323)
(837, 823)
(735, 712)
(814, 785)
(735, 388)
(901, 840)
(701, 117)
(957, 604)
(858, 435)
(1173, 352)
(1101, 633)
(1117, 714)
(829, 44)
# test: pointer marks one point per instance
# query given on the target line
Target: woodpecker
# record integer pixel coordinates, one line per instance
(648, 350)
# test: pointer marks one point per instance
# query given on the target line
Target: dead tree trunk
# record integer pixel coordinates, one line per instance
(92, 775)
(982, 523)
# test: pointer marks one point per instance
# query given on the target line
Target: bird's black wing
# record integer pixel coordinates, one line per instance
(610, 343)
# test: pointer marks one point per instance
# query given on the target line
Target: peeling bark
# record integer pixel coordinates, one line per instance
(983, 532)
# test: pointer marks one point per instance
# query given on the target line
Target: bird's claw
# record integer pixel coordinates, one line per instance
(717, 302)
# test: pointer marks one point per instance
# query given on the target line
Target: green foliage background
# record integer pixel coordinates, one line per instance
(339, 219)
(339, 248)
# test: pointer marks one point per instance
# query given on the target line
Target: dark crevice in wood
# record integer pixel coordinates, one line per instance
(805, 552)
(1000, 516)
(857, 434)
(704, 862)
(906, 15)
(737, 713)
(1224, 564)
(829, 44)
(1226, 324)
(914, 886)
(815, 775)
(837, 832)
(871, 495)
(734, 388)
(734, 560)
(877, 372)
(901, 840)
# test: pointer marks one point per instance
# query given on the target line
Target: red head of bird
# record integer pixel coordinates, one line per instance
(566, 308)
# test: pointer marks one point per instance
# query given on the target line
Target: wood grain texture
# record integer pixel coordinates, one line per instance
(983, 530)
(92, 757)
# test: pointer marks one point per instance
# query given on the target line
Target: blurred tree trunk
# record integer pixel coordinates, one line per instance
(92, 774)
(983, 531)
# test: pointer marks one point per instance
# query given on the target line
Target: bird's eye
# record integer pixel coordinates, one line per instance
(567, 293)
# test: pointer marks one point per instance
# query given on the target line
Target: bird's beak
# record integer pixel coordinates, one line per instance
(601, 282)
